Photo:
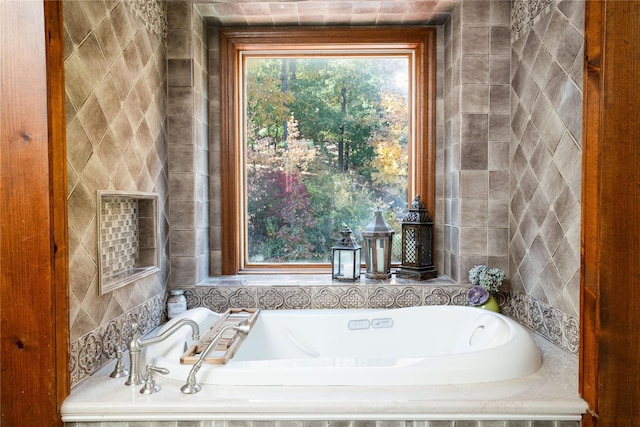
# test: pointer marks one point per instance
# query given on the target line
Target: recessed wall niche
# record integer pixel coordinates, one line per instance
(128, 231)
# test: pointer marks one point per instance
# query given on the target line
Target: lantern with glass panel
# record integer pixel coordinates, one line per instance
(377, 240)
(346, 257)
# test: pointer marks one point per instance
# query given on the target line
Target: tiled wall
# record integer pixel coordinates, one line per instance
(512, 91)
(115, 75)
(340, 423)
(545, 166)
(438, 214)
(188, 133)
(487, 143)
(476, 136)
(215, 212)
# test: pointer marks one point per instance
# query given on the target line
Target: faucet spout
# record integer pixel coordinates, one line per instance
(195, 332)
(136, 344)
(191, 385)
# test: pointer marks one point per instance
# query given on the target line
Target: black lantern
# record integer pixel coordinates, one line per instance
(417, 235)
(346, 257)
(377, 238)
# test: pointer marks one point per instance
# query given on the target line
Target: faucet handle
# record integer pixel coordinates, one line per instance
(119, 371)
(150, 385)
(135, 333)
(151, 368)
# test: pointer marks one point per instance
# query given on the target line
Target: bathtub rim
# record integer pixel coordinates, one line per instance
(549, 394)
(552, 396)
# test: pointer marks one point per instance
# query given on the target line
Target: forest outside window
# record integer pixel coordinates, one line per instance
(322, 127)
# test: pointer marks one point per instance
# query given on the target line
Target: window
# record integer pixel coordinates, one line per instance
(260, 139)
(325, 140)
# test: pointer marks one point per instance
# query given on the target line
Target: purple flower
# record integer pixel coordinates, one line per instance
(477, 295)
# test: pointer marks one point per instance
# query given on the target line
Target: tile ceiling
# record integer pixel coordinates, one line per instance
(327, 12)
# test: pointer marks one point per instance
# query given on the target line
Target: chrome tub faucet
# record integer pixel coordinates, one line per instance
(136, 345)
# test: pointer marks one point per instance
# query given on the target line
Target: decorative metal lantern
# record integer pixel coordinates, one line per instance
(377, 238)
(417, 235)
(346, 257)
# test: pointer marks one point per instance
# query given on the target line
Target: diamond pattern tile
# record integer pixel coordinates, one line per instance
(115, 88)
(545, 204)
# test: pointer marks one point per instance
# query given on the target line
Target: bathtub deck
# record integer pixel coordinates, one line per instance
(549, 394)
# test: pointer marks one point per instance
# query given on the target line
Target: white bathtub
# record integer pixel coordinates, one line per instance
(408, 346)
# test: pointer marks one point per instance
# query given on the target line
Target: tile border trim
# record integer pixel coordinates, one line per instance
(525, 13)
(152, 13)
(94, 349)
(556, 326)
(220, 298)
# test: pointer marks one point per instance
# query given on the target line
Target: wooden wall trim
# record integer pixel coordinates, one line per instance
(427, 186)
(610, 292)
(31, 389)
(56, 97)
(228, 158)
(590, 202)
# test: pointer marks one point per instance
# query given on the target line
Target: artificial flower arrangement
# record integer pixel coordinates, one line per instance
(485, 280)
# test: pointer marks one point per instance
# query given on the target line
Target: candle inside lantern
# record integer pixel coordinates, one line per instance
(380, 264)
(347, 265)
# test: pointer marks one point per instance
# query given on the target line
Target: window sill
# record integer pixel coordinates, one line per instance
(315, 279)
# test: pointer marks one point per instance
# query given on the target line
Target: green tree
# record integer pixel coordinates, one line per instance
(337, 102)
(267, 101)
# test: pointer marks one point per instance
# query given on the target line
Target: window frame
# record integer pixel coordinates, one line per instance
(235, 41)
